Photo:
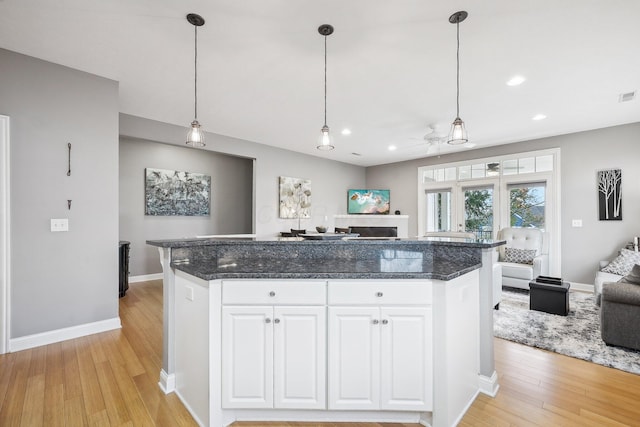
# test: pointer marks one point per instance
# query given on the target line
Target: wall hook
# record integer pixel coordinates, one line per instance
(69, 171)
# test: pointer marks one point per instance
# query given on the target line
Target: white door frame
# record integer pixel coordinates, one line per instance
(5, 252)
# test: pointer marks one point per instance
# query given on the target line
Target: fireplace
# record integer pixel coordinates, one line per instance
(367, 231)
(371, 223)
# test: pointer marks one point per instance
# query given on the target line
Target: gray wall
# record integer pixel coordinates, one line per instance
(231, 197)
(61, 279)
(330, 180)
(582, 155)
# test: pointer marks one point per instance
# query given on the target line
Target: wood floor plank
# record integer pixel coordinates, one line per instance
(33, 407)
(74, 414)
(11, 412)
(114, 403)
(54, 405)
(91, 392)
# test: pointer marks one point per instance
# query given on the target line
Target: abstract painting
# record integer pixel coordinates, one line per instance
(295, 197)
(176, 193)
(610, 195)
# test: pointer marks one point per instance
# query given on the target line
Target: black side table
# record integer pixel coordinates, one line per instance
(124, 267)
(550, 298)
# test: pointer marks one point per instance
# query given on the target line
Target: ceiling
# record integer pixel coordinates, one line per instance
(390, 72)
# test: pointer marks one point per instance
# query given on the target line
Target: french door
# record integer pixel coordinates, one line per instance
(472, 208)
(478, 210)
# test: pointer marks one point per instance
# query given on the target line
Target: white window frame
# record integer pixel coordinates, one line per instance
(551, 179)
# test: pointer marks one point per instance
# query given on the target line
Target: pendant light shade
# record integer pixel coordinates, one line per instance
(325, 142)
(458, 133)
(195, 136)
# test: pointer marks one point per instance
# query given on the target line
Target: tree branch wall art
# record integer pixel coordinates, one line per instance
(610, 195)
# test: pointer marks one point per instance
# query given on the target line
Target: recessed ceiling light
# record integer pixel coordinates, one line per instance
(346, 131)
(392, 148)
(539, 117)
(515, 81)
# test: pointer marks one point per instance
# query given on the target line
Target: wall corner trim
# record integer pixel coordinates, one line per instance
(50, 337)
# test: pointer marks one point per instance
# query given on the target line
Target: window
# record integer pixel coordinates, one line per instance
(438, 210)
(527, 204)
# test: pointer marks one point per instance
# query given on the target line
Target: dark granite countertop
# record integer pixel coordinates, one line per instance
(359, 258)
(444, 241)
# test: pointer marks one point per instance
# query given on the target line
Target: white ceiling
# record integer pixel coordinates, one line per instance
(391, 66)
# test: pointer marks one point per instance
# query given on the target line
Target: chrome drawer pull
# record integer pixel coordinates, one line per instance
(276, 320)
(272, 294)
(385, 321)
(267, 320)
(379, 294)
(376, 321)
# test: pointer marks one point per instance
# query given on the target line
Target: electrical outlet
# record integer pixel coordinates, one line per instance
(576, 223)
(60, 224)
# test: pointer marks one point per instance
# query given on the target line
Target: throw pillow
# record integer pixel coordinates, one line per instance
(633, 276)
(623, 263)
(520, 256)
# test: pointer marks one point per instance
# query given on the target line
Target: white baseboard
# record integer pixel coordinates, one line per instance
(50, 337)
(145, 277)
(582, 287)
(489, 385)
(167, 382)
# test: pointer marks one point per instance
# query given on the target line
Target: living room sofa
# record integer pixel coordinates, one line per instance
(619, 314)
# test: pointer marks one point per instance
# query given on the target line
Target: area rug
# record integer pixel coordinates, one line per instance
(576, 335)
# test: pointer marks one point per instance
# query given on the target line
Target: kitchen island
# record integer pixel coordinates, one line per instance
(355, 330)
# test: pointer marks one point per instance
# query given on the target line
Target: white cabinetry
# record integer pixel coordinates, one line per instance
(273, 354)
(380, 346)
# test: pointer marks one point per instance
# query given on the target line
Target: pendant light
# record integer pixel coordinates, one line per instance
(458, 134)
(325, 142)
(195, 137)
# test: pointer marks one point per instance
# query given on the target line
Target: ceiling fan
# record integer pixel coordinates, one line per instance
(430, 141)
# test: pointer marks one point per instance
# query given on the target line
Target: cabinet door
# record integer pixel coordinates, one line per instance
(299, 337)
(354, 357)
(247, 358)
(406, 358)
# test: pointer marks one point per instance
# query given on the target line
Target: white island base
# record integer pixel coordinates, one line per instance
(327, 350)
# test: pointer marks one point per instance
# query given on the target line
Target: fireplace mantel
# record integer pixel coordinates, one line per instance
(399, 221)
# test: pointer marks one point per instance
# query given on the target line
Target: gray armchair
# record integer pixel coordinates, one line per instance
(518, 275)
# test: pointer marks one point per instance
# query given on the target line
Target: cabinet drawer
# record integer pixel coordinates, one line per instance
(377, 293)
(274, 292)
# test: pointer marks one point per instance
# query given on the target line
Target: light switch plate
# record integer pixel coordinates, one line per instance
(576, 223)
(59, 224)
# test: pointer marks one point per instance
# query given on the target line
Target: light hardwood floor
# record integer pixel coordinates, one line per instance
(111, 379)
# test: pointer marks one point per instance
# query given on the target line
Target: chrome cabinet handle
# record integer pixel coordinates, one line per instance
(272, 294)
(379, 294)
(276, 320)
(385, 321)
(267, 320)
(376, 321)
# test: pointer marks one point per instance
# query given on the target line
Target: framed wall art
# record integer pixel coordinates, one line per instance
(295, 198)
(176, 193)
(610, 195)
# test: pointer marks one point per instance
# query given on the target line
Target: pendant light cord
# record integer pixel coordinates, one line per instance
(458, 69)
(195, 74)
(325, 81)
